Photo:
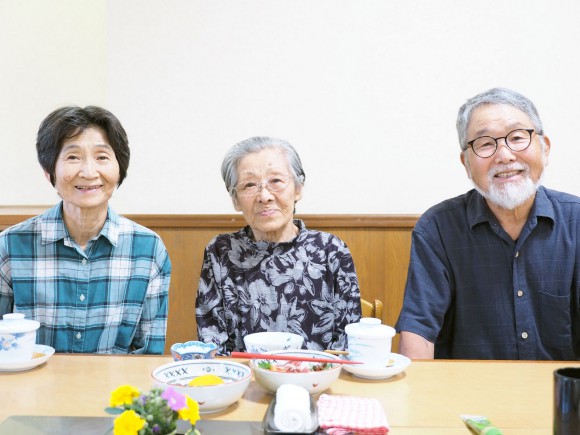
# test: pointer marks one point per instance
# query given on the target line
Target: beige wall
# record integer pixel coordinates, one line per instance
(367, 91)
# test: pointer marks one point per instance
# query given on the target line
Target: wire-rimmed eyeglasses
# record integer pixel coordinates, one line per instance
(516, 140)
(273, 184)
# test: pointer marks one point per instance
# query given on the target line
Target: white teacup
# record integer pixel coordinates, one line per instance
(17, 337)
(370, 342)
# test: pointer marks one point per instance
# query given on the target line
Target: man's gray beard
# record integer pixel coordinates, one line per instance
(510, 195)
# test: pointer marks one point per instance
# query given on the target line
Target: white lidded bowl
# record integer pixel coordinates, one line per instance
(260, 342)
(211, 398)
(369, 341)
(313, 381)
(17, 337)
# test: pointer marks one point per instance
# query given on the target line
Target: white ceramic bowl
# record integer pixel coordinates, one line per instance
(261, 342)
(210, 398)
(314, 381)
(193, 350)
(17, 337)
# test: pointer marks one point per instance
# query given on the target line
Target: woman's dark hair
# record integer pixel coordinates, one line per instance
(70, 121)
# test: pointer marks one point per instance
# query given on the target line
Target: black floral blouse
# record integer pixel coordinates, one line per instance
(307, 286)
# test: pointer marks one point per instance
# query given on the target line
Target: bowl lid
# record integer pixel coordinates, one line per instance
(369, 327)
(15, 322)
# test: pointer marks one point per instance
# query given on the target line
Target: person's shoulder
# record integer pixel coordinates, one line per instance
(143, 239)
(558, 197)
(128, 226)
(321, 238)
(321, 235)
(446, 211)
(28, 226)
(564, 207)
(22, 227)
(225, 240)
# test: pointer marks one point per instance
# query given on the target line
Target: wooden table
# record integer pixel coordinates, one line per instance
(426, 399)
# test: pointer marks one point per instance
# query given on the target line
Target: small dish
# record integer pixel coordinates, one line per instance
(271, 429)
(40, 355)
(193, 350)
(365, 372)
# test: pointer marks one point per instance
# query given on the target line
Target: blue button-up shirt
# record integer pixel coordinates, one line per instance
(111, 297)
(478, 294)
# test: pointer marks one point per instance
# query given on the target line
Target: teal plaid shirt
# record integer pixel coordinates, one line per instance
(110, 298)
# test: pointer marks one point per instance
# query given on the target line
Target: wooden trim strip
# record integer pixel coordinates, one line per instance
(312, 220)
(237, 221)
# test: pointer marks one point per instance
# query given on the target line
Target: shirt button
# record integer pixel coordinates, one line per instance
(82, 298)
(517, 254)
(84, 261)
(524, 335)
(78, 335)
(520, 293)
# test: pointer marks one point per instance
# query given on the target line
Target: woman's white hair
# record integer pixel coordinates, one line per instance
(253, 145)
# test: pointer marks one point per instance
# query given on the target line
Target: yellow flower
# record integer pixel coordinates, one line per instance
(124, 395)
(190, 412)
(128, 423)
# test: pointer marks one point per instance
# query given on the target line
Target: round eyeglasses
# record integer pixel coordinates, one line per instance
(516, 140)
(273, 184)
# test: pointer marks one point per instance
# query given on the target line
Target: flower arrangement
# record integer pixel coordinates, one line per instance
(154, 413)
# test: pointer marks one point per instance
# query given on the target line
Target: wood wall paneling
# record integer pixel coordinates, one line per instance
(380, 246)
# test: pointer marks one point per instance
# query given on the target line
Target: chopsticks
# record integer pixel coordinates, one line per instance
(337, 352)
(290, 358)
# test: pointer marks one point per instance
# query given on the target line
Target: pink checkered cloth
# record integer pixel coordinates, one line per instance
(341, 415)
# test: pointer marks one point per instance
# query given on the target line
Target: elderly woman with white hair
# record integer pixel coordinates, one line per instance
(274, 274)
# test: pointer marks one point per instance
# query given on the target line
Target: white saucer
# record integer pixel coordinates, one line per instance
(41, 354)
(363, 371)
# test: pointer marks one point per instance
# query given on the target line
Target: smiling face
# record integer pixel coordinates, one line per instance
(269, 214)
(508, 178)
(86, 172)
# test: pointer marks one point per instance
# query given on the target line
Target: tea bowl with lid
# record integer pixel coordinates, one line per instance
(17, 337)
(369, 341)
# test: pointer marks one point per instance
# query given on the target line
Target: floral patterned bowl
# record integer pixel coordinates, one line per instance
(193, 350)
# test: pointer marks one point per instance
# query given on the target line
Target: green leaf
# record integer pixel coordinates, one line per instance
(113, 411)
(266, 365)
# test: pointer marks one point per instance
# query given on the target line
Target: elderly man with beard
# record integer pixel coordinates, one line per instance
(495, 273)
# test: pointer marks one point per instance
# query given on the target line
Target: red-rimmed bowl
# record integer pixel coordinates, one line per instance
(313, 381)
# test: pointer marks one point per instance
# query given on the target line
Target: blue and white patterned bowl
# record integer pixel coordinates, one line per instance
(211, 398)
(193, 350)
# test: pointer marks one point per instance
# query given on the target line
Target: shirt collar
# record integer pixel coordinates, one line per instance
(478, 212)
(262, 244)
(52, 227)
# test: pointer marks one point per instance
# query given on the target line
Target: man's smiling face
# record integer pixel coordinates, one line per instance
(507, 178)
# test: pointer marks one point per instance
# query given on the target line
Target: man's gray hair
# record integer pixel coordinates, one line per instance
(253, 145)
(496, 96)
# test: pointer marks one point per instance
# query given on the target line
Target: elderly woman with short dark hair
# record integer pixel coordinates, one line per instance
(274, 274)
(96, 281)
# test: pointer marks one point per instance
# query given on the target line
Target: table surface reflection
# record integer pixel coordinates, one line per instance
(427, 398)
